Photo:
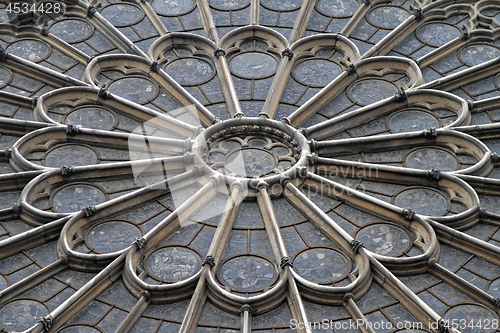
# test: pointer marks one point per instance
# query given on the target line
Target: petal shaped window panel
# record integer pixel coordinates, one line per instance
(88, 35)
(191, 62)
(50, 148)
(447, 198)
(46, 52)
(141, 83)
(179, 16)
(369, 81)
(254, 63)
(427, 31)
(474, 159)
(69, 193)
(484, 85)
(317, 61)
(90, 109)
(465, 54)
(332, 16)
(282, 15)
(377, 23)
(427, 109)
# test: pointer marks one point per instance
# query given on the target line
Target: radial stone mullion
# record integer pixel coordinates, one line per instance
(226, 223)
(297, 305)
(119, 39)
(199, 297)
(31, 238)
(215, 251)
(181, 213)
(279, 249)
(421, 310)
(357, 315)
(318, 217)
(473, 291)
(400, 291)
(207, 20)
(254, 11)
(134, 314)
(31, 281)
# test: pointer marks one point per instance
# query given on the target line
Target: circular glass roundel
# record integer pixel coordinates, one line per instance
(173, 264)
(420, 120)
(113, 236)
(253, 65)
(478, 53)
(5, 77)
(316, 72)
(20, 315)
(79, 329)
(121, 15)
(474, 315)
(93, 117)
(77, 154)
(281, 4)
(321, 265)
(250, 162)
(229, 4)
(431, 158)
(29, 49)
(247, 273)
(384, 239)
(72, 31)
(388, 17)
(340, 8)
(438, 34)
(135, 89)
(190, 71)
(371, 90)
(173, 8)
(73, 198)
(423, 201)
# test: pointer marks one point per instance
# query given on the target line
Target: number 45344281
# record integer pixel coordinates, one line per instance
(42, 8)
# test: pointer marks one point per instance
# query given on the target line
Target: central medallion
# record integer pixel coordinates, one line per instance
(251, 150)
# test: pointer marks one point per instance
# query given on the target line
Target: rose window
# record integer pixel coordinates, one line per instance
(249, 166)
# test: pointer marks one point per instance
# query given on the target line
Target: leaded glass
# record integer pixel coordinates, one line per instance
(241, 165)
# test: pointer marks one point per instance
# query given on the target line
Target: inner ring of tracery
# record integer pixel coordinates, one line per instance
(251, 150)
